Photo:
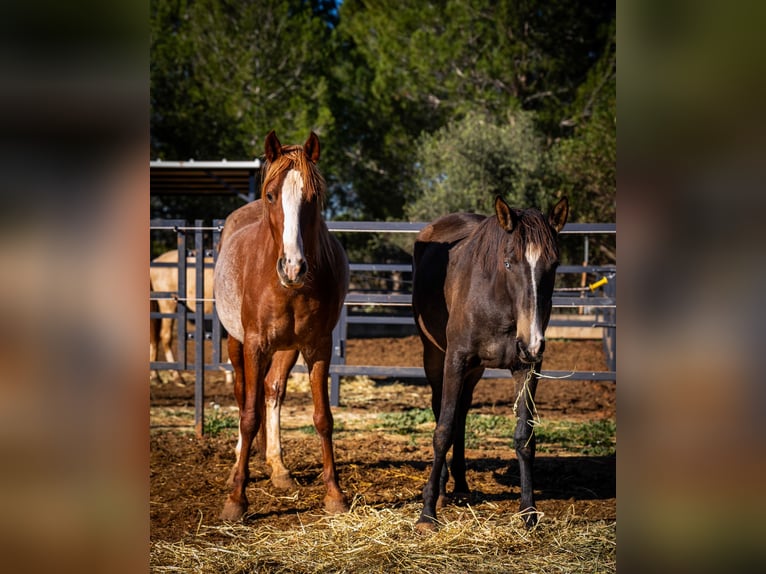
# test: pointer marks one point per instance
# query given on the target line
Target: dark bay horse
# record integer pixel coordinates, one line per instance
(482, 299)
(280, 282)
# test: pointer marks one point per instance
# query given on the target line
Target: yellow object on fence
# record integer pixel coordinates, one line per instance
(599, 283)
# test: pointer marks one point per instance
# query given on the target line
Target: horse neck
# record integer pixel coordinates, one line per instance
(315, 239)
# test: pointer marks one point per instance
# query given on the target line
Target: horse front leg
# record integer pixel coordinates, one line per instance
(524, 440)
(249, 366)
(275, 387)
(318, 363)
(443, 435)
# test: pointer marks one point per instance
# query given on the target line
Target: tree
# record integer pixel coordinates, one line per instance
(225, 72)
(413, 68)
(586, 163)
(463, 166)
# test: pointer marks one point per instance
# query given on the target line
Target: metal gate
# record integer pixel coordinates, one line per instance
(195, 239)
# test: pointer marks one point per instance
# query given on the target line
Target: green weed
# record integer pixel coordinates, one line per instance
(405, 422)
(219, 421)
(590, 438)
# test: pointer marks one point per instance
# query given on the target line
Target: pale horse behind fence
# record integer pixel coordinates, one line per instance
(165, 279)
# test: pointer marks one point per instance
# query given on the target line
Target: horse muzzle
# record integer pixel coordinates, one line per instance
(291, 275)
(530, 355)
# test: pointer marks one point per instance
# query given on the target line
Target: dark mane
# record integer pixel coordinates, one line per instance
(488, 239)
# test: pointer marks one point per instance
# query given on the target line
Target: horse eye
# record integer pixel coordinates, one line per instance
(270, 197)
(507, 264)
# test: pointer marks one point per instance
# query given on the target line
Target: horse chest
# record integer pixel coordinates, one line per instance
(285, 321)
(497, 352)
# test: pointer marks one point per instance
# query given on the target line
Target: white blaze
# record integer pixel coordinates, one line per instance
(532, 254)
(292, 242)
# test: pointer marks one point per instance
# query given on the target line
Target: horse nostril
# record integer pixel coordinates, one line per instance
(304, 268)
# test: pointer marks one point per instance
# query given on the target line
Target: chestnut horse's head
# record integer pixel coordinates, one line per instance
(292, 192)
(527, 265)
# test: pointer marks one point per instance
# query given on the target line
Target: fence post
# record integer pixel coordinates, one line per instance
(216, 323)
(610, 332)
(338, 356)
(181, 309)
(199, 329)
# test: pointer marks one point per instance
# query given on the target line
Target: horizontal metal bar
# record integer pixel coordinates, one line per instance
(419, 373)
(601, 269)
(566, 302)
(379, 320)
(561, 270)
(396, 299)
(380, 267)
(192, 164)
(377, 298)
(375, 226)
(164, 366)
(414, 227)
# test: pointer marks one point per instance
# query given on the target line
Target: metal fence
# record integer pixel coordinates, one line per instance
(366, 308)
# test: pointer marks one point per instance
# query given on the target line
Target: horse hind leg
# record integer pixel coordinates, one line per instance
(461, 491)
(433, 363)
(274, 395)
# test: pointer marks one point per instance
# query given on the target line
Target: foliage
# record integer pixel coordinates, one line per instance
(463, 166)
(590, 438)
(405, 422)
(224, 73)
(219, 421)
(586, 163)
(385, 85)
(419, 66)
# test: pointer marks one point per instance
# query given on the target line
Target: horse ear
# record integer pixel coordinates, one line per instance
(272, 146)
(311, 147)
(558, 215)
(505, 215)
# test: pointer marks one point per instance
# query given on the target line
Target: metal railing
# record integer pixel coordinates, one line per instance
(198, 238)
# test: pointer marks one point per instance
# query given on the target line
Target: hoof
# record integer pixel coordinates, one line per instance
(443, 501)
(530, 516)
(283, 482)
(233, 511)
(335, 505)
(425, 527)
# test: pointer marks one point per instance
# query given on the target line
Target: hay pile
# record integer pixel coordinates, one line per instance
(373, 540)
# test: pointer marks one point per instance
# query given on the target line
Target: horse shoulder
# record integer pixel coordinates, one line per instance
(248, 214)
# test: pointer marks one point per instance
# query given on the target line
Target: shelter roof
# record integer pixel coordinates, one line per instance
(205, 178)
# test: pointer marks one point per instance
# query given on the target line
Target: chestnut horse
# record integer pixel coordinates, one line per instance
(482, 299)
(280, 283)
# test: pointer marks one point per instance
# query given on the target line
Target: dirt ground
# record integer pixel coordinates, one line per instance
(376, 466)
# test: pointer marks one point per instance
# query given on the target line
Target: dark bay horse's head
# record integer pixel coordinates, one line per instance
(527, 264)
(292, 192)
